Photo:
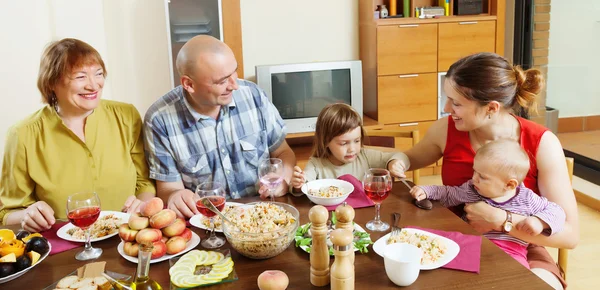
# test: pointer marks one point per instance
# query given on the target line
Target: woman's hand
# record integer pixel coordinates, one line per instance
(396, 168)
(38, 217)
(132, 205)
(484, 217)
(298, 178)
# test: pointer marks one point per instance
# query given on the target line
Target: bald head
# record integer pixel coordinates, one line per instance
(199, 48)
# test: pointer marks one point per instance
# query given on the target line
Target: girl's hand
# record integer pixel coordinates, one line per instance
(484, 217)
(298, 177)
(38, 217)
(418, 193)
(396, 168)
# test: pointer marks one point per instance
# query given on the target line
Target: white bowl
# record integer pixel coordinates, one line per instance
(402, 263)
(346, 187)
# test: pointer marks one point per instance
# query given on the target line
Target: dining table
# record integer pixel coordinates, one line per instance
(497, 269)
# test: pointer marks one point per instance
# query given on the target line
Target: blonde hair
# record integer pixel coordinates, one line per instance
(334, 120)
(486, 77)
(61, 58)
(507, 156)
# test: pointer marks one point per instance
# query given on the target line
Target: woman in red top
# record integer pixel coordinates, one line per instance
(484, 92)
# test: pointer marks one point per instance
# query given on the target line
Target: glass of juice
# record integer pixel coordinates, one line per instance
(215, 193)
(377, 183)
(83, 209)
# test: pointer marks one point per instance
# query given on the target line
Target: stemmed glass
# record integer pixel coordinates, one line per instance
(83, 209)
(215, 193)
(377, 183)
(270, 172)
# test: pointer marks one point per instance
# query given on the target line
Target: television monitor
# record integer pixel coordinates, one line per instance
(301, 91)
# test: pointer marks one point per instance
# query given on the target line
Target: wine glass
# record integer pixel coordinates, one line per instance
(377, 183)
(83, 209)
(215, 193)
(270, 172)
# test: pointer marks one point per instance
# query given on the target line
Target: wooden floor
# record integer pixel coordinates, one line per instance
(583, 143)
(583, 260)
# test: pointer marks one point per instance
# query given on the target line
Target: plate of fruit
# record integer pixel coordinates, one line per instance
(20, 252)
(157, 226)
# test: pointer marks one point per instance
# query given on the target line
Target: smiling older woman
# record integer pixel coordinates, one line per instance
(77, 142)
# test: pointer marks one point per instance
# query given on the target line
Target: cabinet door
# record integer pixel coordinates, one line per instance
(407, 98)
(406, 49)
(459, 39)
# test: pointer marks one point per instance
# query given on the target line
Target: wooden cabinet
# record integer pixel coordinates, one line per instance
(407, 98)
(396, 55)
(460, 39)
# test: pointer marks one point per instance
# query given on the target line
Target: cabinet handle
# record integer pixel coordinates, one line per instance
(408, 76)
(408, 25)
(408, 124)
(467, 22)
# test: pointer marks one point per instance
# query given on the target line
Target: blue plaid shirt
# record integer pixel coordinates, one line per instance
(182, 144)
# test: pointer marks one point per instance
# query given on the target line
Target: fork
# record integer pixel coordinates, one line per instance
(396, 228)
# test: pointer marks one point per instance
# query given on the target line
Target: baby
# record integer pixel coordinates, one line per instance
(499, 170)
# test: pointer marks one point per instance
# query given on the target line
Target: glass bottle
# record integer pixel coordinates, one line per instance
(142, 280)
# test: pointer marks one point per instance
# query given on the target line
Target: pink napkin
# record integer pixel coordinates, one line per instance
(469, 257)
(358, 198)
(58, 245)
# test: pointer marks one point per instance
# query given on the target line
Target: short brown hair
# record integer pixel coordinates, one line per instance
(507, 156)
(59, 59)
(486, 77)
(334, 120)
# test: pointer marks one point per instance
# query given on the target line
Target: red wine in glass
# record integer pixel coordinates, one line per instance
(377, 192)
(84, 217)
(217, 201)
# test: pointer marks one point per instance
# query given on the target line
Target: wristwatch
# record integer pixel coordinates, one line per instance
(507, 226)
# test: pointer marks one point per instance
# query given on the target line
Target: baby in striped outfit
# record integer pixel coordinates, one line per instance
(499, 170)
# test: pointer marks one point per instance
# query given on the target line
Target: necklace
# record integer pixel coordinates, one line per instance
(512, 136)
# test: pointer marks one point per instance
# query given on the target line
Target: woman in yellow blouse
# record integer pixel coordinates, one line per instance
(75, 143)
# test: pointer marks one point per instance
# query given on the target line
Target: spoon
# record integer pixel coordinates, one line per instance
(209, 205)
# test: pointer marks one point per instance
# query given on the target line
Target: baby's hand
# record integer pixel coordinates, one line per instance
(396, 168)
(298, 177)
(418, 193)
(531, 225)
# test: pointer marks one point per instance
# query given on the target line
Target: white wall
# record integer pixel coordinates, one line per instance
(574, 58)
(292, 31)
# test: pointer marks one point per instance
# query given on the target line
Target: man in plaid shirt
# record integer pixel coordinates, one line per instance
(213, 126)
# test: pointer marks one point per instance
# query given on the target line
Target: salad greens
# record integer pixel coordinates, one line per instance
(362, 240)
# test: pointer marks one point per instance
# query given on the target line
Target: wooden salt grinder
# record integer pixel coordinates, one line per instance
(344, 215)
(342, 270)
(319, 253)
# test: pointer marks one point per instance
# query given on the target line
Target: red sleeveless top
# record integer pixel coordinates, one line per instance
(457, 166)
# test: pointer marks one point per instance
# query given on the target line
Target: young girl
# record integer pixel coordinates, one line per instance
(338, 149)
(499, 170)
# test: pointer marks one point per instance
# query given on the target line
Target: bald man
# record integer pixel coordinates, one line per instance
(212, 127)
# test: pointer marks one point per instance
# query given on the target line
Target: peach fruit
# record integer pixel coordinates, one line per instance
(131, 249)
(151, 207)
(148, 236)
(174, 229)
(187, 234)
(137, 222)
(273, 280)
(159, 249)
(164, 239)
(127, 234)
(175, 245)
(163, 218)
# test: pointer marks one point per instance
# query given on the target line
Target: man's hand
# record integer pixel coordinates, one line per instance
(396, 168)
(531, 225)
(281, 190)
(484, 217)
(298, 178)
(38, 217)
(183, 202)
(418, 193)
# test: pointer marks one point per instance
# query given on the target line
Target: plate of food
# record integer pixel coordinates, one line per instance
(192, 243)
(327, 192)
(203, 222)
(437, 250)
(303, 237)
(19, 255)
(105, 227)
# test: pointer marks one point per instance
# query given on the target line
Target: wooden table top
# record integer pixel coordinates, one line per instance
(498, 270)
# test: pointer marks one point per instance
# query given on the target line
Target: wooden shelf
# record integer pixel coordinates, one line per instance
(442, 19)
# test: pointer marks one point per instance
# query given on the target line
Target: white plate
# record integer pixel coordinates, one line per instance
(356, 228)
(20, 273)
(199, 218)
(190, 245)
(346, 187)
(62, 232)
(452, 248)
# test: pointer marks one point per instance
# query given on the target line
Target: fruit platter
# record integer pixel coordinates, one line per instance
(19, 252)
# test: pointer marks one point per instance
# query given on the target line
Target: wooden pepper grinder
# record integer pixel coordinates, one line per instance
(342, 270)
(319, 253)
(344, 215)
